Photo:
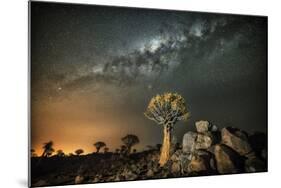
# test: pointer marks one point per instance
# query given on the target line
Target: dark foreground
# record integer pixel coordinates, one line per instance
(206, 152)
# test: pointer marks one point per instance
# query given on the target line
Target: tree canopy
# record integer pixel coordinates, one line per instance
(48, 149)
(99, 145)
(167, 108)
(130, 140)
(79, 151)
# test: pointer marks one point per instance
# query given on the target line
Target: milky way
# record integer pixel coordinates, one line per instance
(96, 67)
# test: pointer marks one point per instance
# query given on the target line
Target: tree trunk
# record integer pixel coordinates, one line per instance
(129, 149)
(166, 146)
(43, 154)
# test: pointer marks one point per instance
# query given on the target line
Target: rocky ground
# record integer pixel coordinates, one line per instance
(208, 151)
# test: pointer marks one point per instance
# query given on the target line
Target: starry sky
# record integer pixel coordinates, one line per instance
(95, 68)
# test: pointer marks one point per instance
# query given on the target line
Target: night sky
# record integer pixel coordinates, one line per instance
(95, 68)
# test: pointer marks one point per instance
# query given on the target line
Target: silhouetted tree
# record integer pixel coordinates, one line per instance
(99, 145)
(166, 110)
(48, 149)
(105, 150)
(33, 154)
(79, 151)
(70, 154)
(60, 153)
(129, 141)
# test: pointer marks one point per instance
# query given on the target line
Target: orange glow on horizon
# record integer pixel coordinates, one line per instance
(78, 124)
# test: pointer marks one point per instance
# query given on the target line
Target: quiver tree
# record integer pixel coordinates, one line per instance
(166, 110)
(48, 149)
(99, 145)
(60, 153)
(79, 151)
(33, 153)
(129, 141)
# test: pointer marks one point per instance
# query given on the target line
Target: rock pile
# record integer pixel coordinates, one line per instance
(204, 152)
(226, 151)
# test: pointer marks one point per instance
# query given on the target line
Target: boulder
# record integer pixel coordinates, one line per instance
(202, 126)
(176, 167)
(95, 180)
(211, 149)
(133, 167)
(258, 142)
(227, 160)
(116, 177)
(198, 164)
(150, 173)
(213, 164)
(156, 168)
(201, 162)
(129, 175)
(188, 142)
(184, 159)
(254, 163)
(154, 156)
(176, 156)
(236, 139)
(203, 141)
(78, 179)
(40, 183)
